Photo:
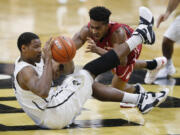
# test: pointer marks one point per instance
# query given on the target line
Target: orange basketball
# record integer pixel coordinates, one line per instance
(63, 49)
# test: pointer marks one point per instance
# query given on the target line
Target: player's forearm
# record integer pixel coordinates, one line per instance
(45, 81)
(101, 51)
(78, 41)
(172, 6)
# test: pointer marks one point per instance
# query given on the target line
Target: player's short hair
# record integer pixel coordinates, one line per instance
(25, 39)
(100, 13)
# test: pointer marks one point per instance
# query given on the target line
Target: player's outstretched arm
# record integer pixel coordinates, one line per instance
(172, 5)
(80, 37)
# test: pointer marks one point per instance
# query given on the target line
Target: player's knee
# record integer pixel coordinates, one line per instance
(118, 83)
(103, 63)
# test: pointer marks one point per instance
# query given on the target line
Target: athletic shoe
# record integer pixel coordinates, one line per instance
(168, 70)
(149, 100)
(139, 88)
(171, 69)
(145, 26)
(151, 74)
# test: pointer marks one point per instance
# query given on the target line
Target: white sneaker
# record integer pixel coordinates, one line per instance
(140, 88)
(168, 70)
(162, 73)
(171, 69)
(149, 100)
(151, 74)
(145, 26)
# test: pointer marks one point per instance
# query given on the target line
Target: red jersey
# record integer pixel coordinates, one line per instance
(106, 41)
(123, 72)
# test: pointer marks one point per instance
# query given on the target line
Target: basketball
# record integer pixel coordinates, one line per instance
(63, 49)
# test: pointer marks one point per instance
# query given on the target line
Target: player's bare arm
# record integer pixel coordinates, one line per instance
(80, 37)
(172, 5)
(28, 78)
(118, 37)
(60, 69)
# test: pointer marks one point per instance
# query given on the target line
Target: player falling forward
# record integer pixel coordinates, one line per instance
(102, 35)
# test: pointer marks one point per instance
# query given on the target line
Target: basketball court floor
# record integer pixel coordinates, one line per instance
(51, 18)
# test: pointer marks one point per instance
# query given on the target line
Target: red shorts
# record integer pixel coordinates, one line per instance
(124, 72)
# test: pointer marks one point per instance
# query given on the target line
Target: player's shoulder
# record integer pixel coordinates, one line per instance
(118, 36)
(85, 31)
(117, 28)
(22, 66)
(119, 32)
(28, 70)
(25, 75)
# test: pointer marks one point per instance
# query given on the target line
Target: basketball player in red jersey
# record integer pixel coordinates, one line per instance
(103, 35)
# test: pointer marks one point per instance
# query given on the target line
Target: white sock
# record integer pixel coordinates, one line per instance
(130, 98)
(134, 41)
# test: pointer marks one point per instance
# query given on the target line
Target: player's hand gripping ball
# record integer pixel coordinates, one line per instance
(63, 49)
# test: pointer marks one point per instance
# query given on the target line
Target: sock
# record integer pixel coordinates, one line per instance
(130, 98)
(151, 64)
(134, 41)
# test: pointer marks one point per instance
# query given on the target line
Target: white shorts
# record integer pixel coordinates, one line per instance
(173, 32)
(66, 101)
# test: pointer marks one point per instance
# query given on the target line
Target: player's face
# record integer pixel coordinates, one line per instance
(33, 51)
(98, 29)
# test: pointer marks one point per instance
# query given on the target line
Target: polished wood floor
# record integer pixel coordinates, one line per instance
(51, 18)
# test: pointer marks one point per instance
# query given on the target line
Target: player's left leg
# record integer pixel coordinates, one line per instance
(121, 83)
(145, 101)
